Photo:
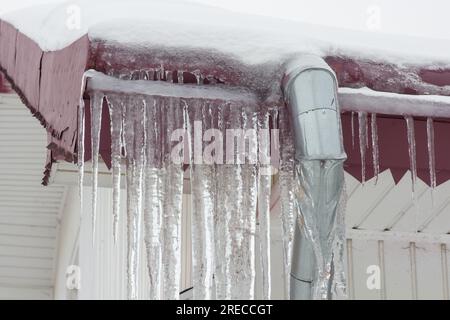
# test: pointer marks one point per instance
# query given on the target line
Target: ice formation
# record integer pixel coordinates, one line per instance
(363, 139)
(375, 152)
(431, 152)
(165, 132)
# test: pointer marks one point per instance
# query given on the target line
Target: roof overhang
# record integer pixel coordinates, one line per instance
(49, 84)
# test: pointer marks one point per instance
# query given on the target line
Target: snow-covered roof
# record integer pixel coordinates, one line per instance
(179, 24)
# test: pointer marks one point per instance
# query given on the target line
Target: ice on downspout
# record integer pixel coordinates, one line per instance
(287, 183)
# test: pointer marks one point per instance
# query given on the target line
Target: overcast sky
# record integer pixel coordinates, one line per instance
(429, 18)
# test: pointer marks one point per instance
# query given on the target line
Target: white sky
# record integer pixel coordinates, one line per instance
(427, 18)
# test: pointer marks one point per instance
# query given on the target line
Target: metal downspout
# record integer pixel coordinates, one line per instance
(310, 91)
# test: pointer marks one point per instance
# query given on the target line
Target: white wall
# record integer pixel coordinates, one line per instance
(67, 242)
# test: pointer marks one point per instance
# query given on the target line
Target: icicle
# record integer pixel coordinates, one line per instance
(115, 111)
(203, 207)
(412, 150)
(134, 150)
(362, 124)
(264, 189)
(80, 158)
(431, 153)
(288, 213)
(180, 76)
(174, 118)
(243, 224)
(339, 283)
(353, 128)
(375, 152)
(96, 121)
(154, 178)
(225, 182)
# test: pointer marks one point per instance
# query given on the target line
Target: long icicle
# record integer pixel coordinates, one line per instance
(175, 119)
(264, 189)
(339, 283)
(412, 150)
(96, 121)
(352, 119)
(244, 224)
(203, 204)
(80, 151)
(362, 124)
(413, 167)
(224, 212)
(134, 150)
(115, 111)
(375, 152)
(431, 153)
(154, 177)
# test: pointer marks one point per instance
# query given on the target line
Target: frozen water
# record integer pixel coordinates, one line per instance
(96, 121)
(134, 144)
(80, 151)
(288, 212)
(229, 196)
(203, 192)
(412, 150)
(362, 125)
(375, 152)
(154, 181)
(173, 115)
(431, 152)
(264, 189)
(116, 116)
(353, 128)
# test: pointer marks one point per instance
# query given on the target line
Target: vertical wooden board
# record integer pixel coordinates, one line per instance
(8, 47)
(27, 71)
(366, 197)
(438, 205)
(61, 76)
(397, 270)
(429, 271)
(391, 207)
(418, 211)
(351, 183)
(364, 255)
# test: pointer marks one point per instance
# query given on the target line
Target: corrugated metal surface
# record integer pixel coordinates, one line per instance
(28, 211)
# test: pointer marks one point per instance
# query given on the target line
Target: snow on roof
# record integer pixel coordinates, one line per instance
(179, 24)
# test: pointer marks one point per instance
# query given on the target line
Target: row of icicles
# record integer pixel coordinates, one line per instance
(363, 123)
(230, 202)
